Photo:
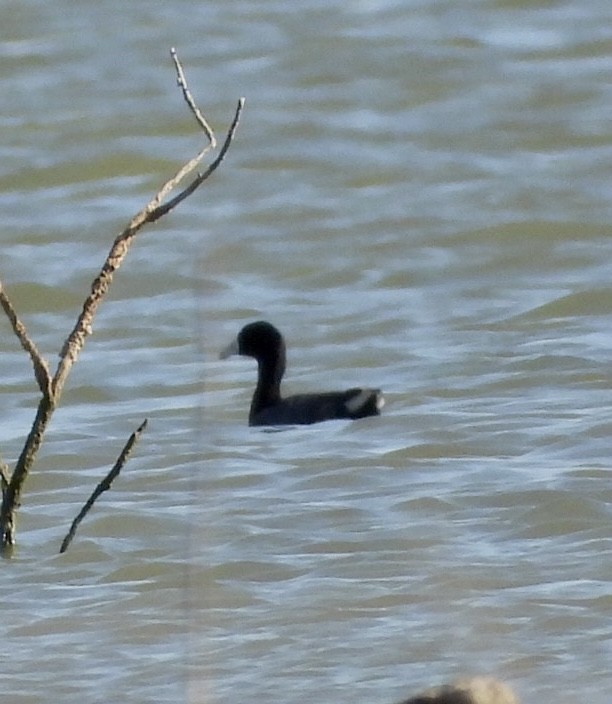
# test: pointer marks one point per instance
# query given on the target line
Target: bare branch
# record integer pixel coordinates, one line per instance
(12, 494)
(182, 82)
(201, 120)
(199, 180)
(104, 485)
(41, 368)
(83, 327)
(150, 213)
(52, 387)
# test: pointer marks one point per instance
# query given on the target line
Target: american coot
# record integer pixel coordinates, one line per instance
(264, 342)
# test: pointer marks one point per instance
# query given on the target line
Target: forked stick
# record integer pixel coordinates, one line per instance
(51, 388)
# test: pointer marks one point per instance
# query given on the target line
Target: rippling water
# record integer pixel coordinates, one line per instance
(419, 197)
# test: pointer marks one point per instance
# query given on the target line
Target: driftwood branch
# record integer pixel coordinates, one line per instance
(150, 213)
(41, 368)
(51, 388)
(182, 83)
(199, 180)
(104, 485)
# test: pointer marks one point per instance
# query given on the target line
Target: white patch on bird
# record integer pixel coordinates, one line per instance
(359, 400)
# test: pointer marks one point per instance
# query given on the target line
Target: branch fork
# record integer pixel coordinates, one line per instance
(51, 387)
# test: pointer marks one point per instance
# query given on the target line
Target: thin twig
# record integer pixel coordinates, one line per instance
(104, 485)
(182, 82)
(199, 180)
(41, 368)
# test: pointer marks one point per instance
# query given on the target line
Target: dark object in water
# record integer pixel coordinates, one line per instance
(264, 342)
(475, 690)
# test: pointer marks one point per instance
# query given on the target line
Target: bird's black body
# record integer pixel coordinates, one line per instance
(263, 342)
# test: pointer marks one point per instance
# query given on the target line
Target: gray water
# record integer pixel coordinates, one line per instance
(419, 196)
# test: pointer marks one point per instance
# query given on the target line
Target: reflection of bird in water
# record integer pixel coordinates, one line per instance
(476, 690)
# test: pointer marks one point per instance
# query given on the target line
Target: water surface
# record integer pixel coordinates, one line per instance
(418, 196)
